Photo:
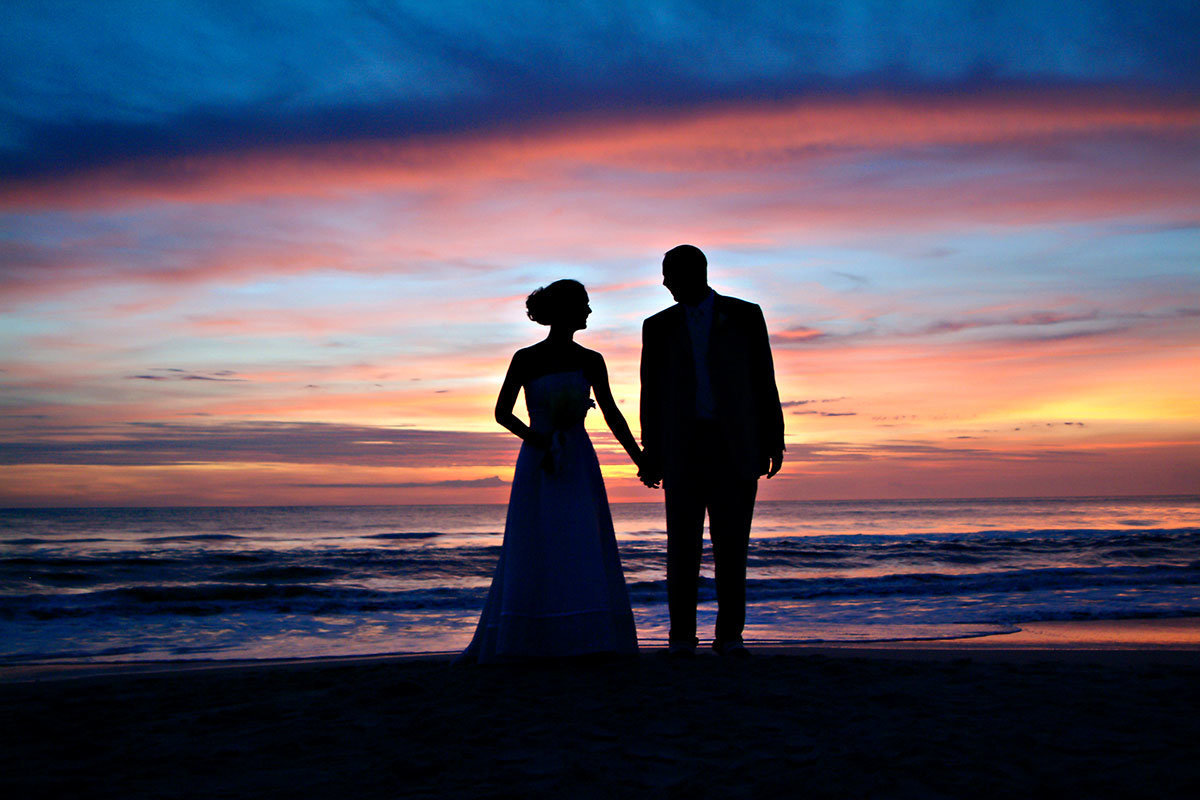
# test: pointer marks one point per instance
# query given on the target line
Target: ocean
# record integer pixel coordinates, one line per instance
(221, 583)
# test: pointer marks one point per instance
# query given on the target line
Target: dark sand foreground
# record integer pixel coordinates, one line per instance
(802, 722)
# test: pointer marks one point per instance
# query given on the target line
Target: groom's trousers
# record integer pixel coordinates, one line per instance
(708, 482)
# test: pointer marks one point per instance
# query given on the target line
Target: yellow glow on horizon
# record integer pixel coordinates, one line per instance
(626, 471)
(1129, 404)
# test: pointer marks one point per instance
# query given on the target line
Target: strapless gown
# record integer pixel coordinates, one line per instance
(558, 589)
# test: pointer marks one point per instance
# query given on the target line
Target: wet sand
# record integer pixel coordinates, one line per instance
(1053, 713)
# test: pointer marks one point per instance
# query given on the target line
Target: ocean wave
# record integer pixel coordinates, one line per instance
(36, 540)
(283, 590)
(190, 537)
(934, 584)
(778, 566)
(64, 578)
(90, 561)
(294, 572)
(403, 535)
(258, 566)
(240, 558)
(225, 598)
(978, 545)
(996, 537)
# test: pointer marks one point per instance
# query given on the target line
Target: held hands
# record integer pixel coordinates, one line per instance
(649, 471)
(772, 464)
(650, 478)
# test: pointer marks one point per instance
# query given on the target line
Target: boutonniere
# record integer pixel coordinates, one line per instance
(722, 317)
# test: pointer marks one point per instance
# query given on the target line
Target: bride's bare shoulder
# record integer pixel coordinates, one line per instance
(593, 365)
(588, 358)
(530, 354)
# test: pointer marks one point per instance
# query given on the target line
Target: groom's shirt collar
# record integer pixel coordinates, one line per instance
(705, 306)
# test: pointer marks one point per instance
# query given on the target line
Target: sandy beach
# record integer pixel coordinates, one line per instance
(1048, 714)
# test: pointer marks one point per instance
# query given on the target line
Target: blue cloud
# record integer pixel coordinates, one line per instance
(85, 83)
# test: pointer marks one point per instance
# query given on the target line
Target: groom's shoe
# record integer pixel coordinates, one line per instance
(681, 651)
(731, 649)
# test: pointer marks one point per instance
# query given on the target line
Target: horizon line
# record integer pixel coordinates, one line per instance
(626, 503)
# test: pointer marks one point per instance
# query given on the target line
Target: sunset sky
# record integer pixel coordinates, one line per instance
(267, 253)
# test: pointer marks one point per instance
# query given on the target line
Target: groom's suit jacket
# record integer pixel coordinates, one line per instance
(748, 414)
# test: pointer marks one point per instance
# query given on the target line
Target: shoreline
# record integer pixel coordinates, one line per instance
(945, 719)
(1162, 640)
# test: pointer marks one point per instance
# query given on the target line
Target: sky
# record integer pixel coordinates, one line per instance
(261, 253)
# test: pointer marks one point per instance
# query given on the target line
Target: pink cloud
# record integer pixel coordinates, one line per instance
(733, 177)
(717, 140)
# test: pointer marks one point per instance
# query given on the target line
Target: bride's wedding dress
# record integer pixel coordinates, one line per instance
(558, 589)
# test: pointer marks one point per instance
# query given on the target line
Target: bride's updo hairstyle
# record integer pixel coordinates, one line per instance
(548, 303)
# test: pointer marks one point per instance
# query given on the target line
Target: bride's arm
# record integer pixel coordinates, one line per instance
(612, 414)
(507, 400)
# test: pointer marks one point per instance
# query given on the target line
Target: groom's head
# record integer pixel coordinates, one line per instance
(685, 274)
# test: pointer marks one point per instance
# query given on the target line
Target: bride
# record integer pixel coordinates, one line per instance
(558, 589)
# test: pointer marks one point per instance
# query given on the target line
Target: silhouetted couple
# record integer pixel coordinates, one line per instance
(711, 426)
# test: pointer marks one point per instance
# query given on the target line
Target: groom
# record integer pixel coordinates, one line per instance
(711, 425)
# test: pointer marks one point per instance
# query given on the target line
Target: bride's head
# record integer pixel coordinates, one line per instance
(562, 303)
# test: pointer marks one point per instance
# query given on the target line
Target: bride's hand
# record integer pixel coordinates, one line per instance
(649, 472)
(545, 443)
(651, 478)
